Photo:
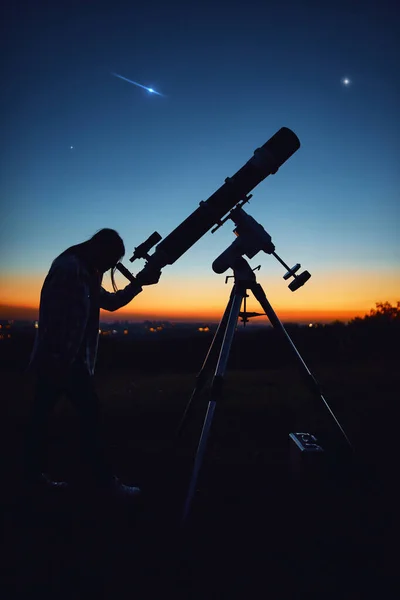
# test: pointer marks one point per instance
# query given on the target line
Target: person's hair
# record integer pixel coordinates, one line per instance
(104, 238)
(112, 275)
(113, 241)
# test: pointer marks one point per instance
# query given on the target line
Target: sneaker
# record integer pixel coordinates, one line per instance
(109, 489)
(42, 481)
(120, 490)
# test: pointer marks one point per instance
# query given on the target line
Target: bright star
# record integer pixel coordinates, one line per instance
(346, 81)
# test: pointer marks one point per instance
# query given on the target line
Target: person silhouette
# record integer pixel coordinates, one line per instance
(64, 354)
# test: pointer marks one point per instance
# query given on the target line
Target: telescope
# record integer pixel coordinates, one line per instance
(227, 203)
(265, 161)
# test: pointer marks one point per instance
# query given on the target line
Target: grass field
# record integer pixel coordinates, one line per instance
(255, 530)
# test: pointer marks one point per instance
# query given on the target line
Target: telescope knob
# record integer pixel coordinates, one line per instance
(292, 271)
(299, 280)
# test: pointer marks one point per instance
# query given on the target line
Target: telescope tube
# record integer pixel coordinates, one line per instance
(265, 161)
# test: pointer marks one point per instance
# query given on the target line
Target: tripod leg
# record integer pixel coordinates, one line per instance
(202, 376)
(259, 294)
(216, 392)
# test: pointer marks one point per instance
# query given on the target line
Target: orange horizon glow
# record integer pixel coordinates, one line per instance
(31, 313)
(328, 296)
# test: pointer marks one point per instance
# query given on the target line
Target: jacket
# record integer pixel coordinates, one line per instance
(69, 313)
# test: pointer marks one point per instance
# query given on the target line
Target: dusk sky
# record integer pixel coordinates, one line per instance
(82, 149)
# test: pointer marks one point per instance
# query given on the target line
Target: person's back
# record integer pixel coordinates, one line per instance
(65, 307)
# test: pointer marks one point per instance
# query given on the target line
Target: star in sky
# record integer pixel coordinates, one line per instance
(346, 81)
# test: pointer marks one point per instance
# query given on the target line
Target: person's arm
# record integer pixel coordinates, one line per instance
(114, 300)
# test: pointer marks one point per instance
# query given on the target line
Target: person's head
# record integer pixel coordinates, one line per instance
(101, 252)
(105, 248)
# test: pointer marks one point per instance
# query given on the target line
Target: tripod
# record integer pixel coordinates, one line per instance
(244, 279)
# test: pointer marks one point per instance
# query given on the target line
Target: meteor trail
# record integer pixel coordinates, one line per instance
(138, 84)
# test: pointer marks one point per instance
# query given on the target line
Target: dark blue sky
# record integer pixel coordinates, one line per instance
(231, 74)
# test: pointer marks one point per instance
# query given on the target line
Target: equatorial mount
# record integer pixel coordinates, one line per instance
(251, 237)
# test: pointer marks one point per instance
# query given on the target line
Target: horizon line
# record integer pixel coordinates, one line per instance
(24, 313)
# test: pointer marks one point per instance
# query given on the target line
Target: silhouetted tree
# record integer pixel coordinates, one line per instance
(377, 333)
(383, 314)
(384, 310)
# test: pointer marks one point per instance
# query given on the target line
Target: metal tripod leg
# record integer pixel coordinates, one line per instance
(202, 376)
(216, 391)
(259, 294)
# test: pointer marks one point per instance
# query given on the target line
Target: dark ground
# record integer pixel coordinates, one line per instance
(255, 529)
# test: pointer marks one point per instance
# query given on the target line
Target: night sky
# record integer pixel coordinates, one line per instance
(82, 149)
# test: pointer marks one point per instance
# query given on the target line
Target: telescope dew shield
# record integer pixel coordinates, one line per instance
(265, 161)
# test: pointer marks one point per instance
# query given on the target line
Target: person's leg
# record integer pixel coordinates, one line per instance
(82, 394)
(35, 451)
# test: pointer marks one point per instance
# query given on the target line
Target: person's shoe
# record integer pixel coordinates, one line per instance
(42, 481)
(106, 489)
(119, 490)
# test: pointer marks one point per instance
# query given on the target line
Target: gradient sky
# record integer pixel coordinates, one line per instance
(82, 149)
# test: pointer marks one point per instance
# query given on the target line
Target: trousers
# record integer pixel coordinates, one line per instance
(79, 389)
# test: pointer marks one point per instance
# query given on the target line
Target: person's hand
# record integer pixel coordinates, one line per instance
(148, 278)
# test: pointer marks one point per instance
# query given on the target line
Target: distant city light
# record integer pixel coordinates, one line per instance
(36, 324)
(310, 325)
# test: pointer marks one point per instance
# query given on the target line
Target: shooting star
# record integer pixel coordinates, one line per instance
(150, 90)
